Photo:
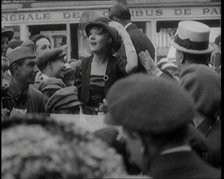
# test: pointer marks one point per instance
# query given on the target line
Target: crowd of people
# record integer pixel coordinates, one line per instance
(163, 118)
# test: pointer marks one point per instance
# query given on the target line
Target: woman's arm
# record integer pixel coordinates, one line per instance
(132, 58)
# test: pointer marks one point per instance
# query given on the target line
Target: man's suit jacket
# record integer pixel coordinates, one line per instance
(183, 164)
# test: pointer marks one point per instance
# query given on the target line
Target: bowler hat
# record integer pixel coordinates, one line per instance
(192, 37)
(7, 32)
(62, 99)
(50, 55)
(103, 22)
(147, 104)
(24, 51)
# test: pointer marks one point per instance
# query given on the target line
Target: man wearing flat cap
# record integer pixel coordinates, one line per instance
(51, 64)
(193, 52)
(21, 94)
(155, 115)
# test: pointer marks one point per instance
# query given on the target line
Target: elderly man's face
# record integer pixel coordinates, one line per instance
(42, 45)
(4, 44)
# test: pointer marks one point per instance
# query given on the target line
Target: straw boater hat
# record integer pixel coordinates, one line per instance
(192, 37)
(7, 32)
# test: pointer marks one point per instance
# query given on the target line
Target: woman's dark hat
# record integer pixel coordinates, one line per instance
(7, 32)
(103, 22)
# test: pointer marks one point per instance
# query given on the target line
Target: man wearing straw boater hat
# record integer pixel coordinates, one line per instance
(21, 94)
(192, 43)
(193, 53)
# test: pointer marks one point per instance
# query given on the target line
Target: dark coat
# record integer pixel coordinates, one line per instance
(115, 70)
(141, 43)
(32, 100)
(185, 164)
(211, 129)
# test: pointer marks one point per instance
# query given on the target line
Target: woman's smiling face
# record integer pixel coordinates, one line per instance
(99, 40)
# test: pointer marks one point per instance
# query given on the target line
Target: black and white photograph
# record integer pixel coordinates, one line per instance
(95, 89)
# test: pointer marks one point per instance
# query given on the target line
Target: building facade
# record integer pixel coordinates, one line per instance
(60, 20)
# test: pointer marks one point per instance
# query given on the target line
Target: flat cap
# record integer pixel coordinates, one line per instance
(62, 99)
(204, 85)
(24, 51)
(50, 55)
(153, 105)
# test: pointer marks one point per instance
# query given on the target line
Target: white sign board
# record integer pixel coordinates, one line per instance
(138, 14)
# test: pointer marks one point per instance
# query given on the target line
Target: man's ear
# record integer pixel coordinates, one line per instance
(14, 67)
(181, 57)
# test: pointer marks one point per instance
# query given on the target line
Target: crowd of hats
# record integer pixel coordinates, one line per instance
(60, 150)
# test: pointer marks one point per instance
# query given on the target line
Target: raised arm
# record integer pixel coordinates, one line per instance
(132, 58)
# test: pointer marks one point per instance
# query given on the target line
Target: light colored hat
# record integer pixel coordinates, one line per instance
(169, 65)
(192, 37)
(164, 63)
(24, 51)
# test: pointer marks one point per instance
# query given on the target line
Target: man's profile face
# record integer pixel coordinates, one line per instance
(27, 71)
(134, 147)
(4, 44)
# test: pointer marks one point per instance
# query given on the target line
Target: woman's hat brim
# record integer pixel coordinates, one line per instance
(178, 47)
(112, 31)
